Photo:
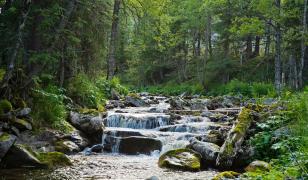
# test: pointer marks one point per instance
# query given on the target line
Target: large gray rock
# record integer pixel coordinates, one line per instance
(19, 157)
(132, 145)
(6, 141)
(135, 101)
(177, 103)
(86, 123)
(23, 112)
(208, 151)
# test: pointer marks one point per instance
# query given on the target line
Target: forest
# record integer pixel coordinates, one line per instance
(205, 89)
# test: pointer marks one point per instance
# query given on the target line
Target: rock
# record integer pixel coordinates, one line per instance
(132, 145)
(207, 114)
(198, 104)
(215, 103)
(21, 124)
(230, 101)
(6, 141)
(144, 94)
(269, 101)
(208, 151)
(20, 157)
(115, 95)
(233, 142)
(178, 103)
(226, 175)
(258, 166)
(54, 159)
(139, 145)
(89, 124)
(23, 112)
(66, 147)
(180, 159)
(135, 101)
(153, 178)
(214, 136)
(97, 148)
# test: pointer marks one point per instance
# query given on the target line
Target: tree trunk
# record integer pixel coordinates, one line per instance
(113, 38)
(303, 47)
(248, 47)
(5, 89)
(268, 38)
(278, 79)
(257, 47)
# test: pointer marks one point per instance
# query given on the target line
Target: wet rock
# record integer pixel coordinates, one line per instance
(20, 157)
(139, 145)
(226, 175)
(208, 151)
(122, 133)
(214, 136)
(86, 123)
(180, 159)
(77, 137)
(177, 103)
(97, 148)
(153, 178)
(199, 104)
(23, 112)
(135, 101)
(53, 159)
(191, 127)
(66, 147)
(258, 166)
(21, 124)
(6, 141)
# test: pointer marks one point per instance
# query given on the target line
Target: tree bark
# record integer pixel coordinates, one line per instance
(303, 47)
(278, 79)
(268, 38)
(5, 89)
(257, 47)
(113, 38)
(248, 47)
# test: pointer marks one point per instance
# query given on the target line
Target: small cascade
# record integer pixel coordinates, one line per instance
(137, 121)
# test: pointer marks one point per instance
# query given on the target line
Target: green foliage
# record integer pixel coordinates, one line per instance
(84, 92)
(2, 73)
(236, 87)
(49, 108)
(106, 86)
(174, 89)
(5, 106)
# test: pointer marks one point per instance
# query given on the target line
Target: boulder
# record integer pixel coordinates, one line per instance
(6, 141)
(135, 101)
(20, 157)
(181, 159)
(177, 103)
(66, 147)
(208, 151)
(258, 166)
(87, 123)
(132, 145)
(214, 136)
(21, 124)
(53, 159)
(139, 145)
(21, 113)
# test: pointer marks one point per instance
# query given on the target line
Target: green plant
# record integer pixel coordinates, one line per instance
(85, 93)
(49, 109)
(5, 106)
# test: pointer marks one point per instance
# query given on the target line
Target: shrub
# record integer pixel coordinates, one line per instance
(106, 86)
(174, 89)
(49, 109)
(85, 93)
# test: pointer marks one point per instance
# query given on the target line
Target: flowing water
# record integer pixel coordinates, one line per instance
(148, 122)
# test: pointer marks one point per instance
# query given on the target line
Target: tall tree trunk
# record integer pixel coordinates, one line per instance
(268, 38)
(278, 79)
(257, 47)
(5, 86)
(113, 38)
(303, 47)
(198, 48)
(248, 47)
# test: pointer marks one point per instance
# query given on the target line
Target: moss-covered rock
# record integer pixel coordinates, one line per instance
(21, 124)
(54, 159)
(232, 144)
(6, 141)
(181, 159)
(5, 106)
(67, 147)
(226, 175)
(258, 166)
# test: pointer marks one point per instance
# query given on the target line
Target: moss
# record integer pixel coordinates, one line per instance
(134, 95)
(226, 175)
(5, 106)
(94, 112)
(244, 120)
(4, 137)
(61, 147)
(19, 103)
(53, 159)
(188, 164)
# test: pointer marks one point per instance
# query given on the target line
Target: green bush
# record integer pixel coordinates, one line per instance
(106, 86)
(85, 93)
(49, 108)
(174, 89)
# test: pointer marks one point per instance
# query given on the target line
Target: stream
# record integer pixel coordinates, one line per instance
(145, 126)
